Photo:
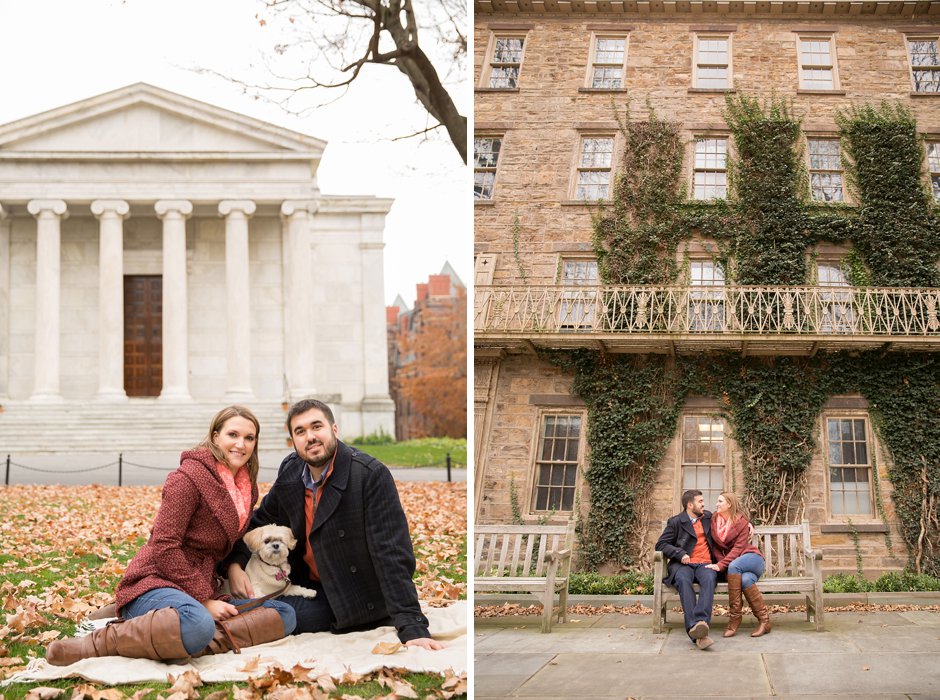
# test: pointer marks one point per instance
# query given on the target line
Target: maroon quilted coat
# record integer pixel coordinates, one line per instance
(738, 542)
(195, 528)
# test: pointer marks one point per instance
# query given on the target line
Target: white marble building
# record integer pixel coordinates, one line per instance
(160, 256)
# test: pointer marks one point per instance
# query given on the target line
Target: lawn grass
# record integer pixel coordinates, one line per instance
(425, 452)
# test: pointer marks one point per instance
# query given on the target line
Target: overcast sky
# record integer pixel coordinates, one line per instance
(55, 52)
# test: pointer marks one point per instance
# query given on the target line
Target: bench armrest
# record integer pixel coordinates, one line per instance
(814, 554)
(557, 556)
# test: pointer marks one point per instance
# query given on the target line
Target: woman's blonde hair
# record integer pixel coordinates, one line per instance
(216, 426)
(734, 505)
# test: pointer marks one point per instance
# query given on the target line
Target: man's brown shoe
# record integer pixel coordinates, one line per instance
(703, 643)
(699, 630)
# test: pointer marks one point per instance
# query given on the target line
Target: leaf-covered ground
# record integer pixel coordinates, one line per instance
(64, 548)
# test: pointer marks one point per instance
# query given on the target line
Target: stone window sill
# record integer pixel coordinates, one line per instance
(594, 89)
(925, 94)
(483, 202)
(820, 92)
(583, 202)
(493, 89)
(858, 527)
(711, 91)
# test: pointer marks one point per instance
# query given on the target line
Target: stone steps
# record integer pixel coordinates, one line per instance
(138, 425)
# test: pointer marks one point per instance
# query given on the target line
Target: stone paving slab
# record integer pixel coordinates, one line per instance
(584, 640)
(501, 674)
(873, 672)
(779, 641)
(685, 696)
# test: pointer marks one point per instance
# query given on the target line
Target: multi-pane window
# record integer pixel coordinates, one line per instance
(925, 64)
(706, 301)
(507, 59)
(825, 170)
(577, 305)
(710, 179)
(933, 164)
(703, 456)
(485, 158)
(837, 314)
(712, 61)
(608, 61)
(556, 464)
(849, 466)
(817, 67)
(594, 164)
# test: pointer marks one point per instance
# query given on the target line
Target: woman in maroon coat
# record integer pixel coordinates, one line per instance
(731, 537)
(169, 598)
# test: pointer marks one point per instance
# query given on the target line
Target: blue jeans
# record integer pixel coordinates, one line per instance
(696, 611)
(196, 624)
(750, 566)
(313, 614)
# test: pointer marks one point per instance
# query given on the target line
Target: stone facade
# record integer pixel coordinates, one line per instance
(530, 222)
(271, 290)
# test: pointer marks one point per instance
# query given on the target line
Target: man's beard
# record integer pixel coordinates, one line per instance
(328, 452)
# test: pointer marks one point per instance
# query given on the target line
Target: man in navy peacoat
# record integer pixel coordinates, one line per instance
(353, 545)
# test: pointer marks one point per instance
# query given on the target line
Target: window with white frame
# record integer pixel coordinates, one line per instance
(710, 176)
(837, 312)
(707, 298)
(595, 160)
(849, 466)
(703, 456)
(485, 160)
(506, 61)
(925, 63)
(577, 310)
(933, 165)
(825, 170)
(608, 62)
(556, 464)
(712, 61)
(817, 63)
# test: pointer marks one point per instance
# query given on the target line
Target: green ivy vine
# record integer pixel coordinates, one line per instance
(773, 403)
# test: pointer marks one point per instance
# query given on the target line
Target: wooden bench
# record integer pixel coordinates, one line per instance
(529, 558)
(792, 566)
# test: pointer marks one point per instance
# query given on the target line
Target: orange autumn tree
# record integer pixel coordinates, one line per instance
(431, 380)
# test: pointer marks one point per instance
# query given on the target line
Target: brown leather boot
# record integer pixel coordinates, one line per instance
(734, 604)
(245, 630)
(155, 635)
(759, 608)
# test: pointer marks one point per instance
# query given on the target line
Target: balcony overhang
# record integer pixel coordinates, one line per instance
(692, 320)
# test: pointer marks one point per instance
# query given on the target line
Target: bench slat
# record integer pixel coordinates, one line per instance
(516, 549)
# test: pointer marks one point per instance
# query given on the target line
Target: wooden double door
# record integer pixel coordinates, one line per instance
(143, 335)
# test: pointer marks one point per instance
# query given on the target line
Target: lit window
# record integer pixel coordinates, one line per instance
(485, 158)
(607, 66)
(711, 168)
(507, 60)
(925, 64)
(837, 314)
(557, 463)
(577, 306)
(712, 62)
(594, 164)
(706, 301)
(817, 67)
(933, 164)
(849, 466)
(825, 170)
(703, 456)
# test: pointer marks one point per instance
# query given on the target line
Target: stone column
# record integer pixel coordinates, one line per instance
(378, 409)
(110, 214)
(299, 311)
(49, 214)
(174, 213)
(4, 303)
(238, 296)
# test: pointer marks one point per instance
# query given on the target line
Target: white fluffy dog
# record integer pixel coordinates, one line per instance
(268, 569)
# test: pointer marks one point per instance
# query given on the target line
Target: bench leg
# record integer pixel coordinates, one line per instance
(659, 617)
(547, 610)
(563, 605)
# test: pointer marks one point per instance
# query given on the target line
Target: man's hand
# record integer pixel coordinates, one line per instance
(713, 567)
(685, 560)
(219, 609)
(426, 643)
(238, 582)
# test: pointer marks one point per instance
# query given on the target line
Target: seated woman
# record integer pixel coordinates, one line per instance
(168, 599)
(731, 536)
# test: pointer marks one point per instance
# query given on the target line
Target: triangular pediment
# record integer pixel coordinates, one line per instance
(143, 118)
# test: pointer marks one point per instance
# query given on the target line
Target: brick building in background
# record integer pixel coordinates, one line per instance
(552, 78)
(427, 358)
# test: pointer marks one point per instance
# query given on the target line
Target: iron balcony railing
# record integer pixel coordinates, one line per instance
(716, 311)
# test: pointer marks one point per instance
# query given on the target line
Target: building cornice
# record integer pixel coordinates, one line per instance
(873, 9)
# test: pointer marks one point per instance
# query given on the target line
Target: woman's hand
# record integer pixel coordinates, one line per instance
(713, 567)
(238, 582)
(219, 609)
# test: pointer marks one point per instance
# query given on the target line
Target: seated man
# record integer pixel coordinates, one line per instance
(687, 543)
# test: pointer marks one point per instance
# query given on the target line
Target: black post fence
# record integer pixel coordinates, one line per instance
(7, 482)
(448, 467)
(120, 469)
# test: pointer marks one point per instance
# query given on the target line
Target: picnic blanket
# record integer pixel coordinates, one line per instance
(322, 652)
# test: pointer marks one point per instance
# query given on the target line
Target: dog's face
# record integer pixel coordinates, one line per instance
(271, 542)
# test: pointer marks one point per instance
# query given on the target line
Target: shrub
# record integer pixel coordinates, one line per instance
(629, 583)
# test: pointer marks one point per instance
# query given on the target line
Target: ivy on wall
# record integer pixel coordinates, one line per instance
(772, 403)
